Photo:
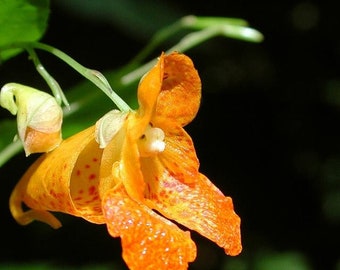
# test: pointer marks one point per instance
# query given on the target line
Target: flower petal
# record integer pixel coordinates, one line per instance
(128, 169)
(148, 240)
(180, 96)
(148, 91)
(38, 142)
(84, 183)
(199, 206)
(135, 125)
(110, 163)
(179, 157)
(64, 180)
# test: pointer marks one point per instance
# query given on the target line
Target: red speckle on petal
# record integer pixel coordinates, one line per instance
(97, 209)
(177, 175)
(153, 196)
(92, 190)
(87, 166)
(95, 198)
(52, 193)
(92, 176)
(164, 194)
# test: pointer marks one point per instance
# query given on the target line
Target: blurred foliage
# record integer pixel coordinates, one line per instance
(24, 20)
(267, 132)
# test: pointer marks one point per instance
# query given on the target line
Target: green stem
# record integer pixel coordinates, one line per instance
(53, 84)
(195, 38)
(10, 151)
(92, 75)
(186, 22)
(183, 45)
(157, 39)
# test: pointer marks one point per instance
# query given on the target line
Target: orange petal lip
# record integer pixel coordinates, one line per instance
(199, 206)
(179, 99)
(149, 241)
(50, 183)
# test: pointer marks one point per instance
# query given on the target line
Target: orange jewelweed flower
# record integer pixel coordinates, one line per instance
(130, 164)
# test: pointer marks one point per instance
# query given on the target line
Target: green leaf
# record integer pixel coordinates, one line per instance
(21, 21)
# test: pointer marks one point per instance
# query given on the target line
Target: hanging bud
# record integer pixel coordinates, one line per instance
(39, 117)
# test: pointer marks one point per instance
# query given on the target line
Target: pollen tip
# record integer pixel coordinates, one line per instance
(152, 141)
(157, 146)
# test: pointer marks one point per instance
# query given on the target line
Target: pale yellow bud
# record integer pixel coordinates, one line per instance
(108, 126)
(39, 117)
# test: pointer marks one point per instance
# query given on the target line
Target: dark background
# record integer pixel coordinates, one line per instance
(266, 134)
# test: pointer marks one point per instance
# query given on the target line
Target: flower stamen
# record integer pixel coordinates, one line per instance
(151, 142)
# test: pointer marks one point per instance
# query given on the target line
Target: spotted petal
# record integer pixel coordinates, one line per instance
(199, 206)
(180, 96)
(65, 180)
(149, 241)
(179, 157)
(148, 92)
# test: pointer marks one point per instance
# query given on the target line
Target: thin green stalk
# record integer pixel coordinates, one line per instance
(10, 151)
(186, 22)
(187, 42)
(92, 75)
(237, 31)
(156, 40)
(184, 44)
(53, 84)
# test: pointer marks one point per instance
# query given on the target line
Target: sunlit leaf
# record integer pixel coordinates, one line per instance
(21, 21)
